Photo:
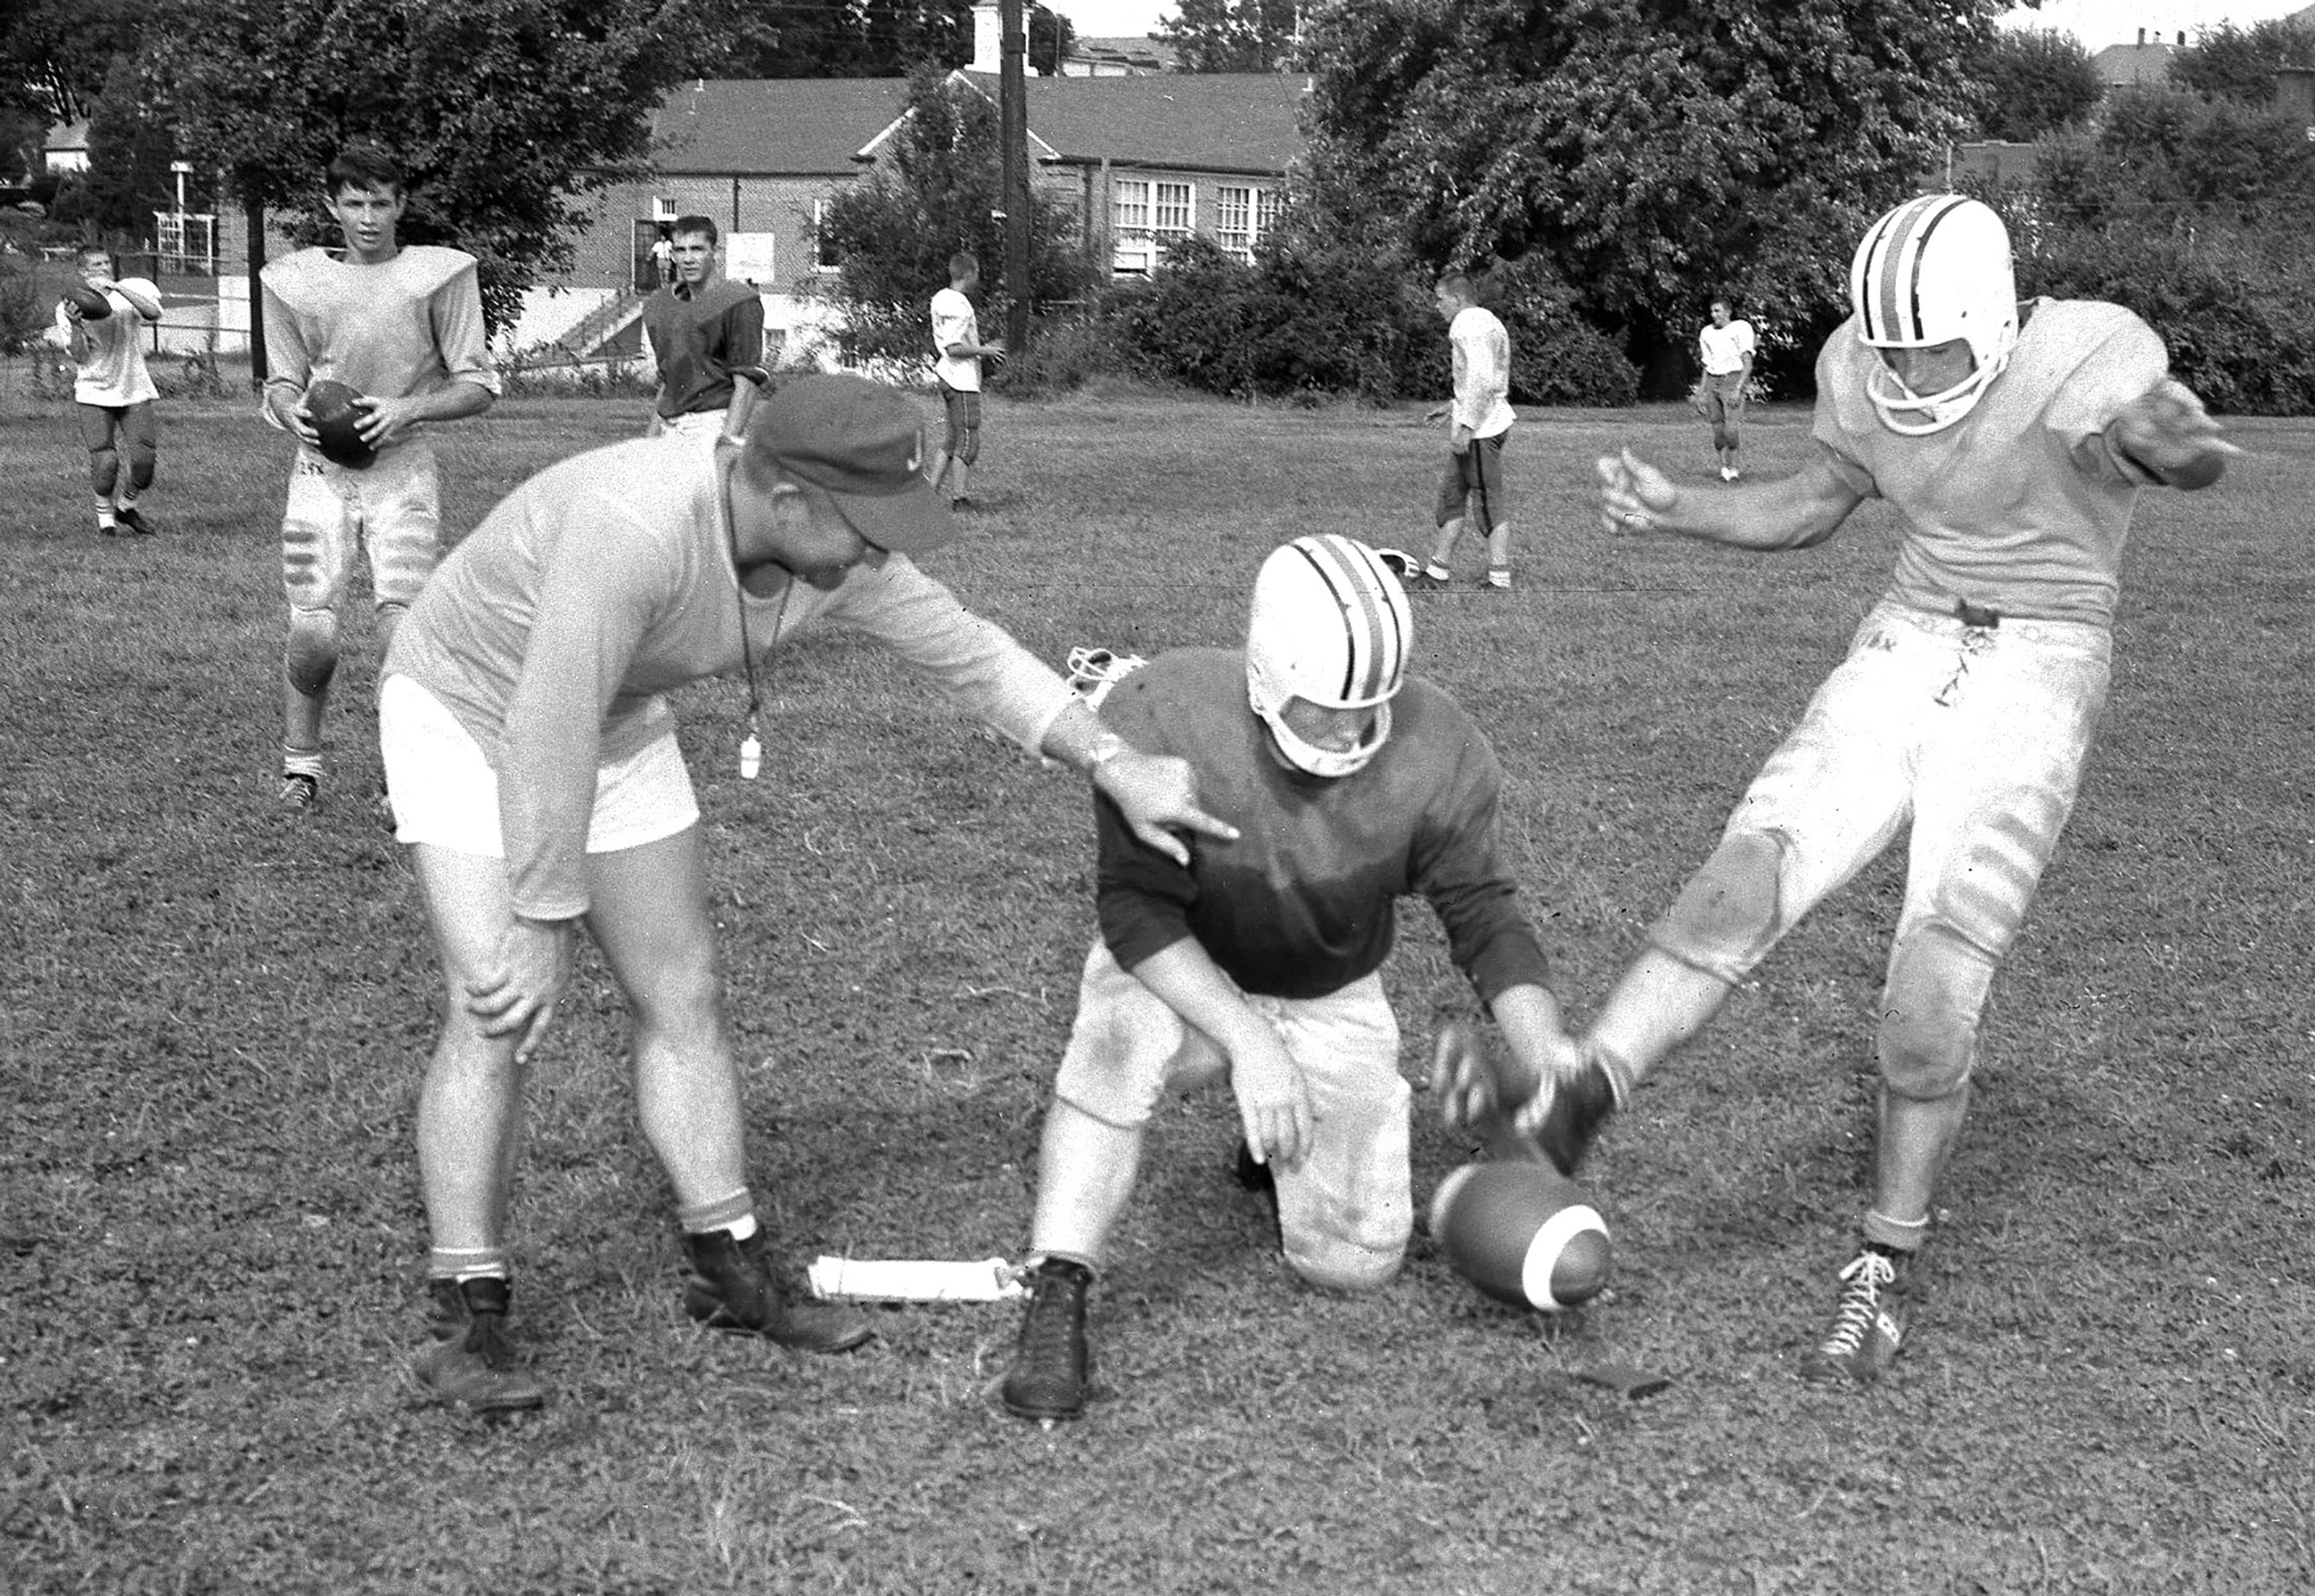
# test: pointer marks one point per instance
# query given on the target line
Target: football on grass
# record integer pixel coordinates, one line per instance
(93, 306)
(1523, 1233)
(337, 417)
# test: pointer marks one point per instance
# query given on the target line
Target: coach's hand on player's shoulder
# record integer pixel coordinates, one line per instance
(1157, 795)
(2166, 431)
(1273, 1100)
(518, 989)
(1634, 495)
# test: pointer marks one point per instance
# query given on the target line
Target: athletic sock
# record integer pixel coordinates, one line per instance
(106, 520)
(1499, 577)
(297, 761)
(465, 1263)
(1438, 572)
(735, 1213)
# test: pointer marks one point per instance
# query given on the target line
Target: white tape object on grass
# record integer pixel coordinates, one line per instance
(914, 1279)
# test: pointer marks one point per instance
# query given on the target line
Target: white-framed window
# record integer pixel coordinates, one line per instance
(825, 256)
(1233, 220)
(1177, 211)
(1268, 204)
(1132, 247)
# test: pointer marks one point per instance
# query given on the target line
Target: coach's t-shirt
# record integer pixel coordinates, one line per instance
(2018, 507)
(554, 631)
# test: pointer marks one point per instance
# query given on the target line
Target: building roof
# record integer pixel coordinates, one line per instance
(775, 127)
(1209, 122)
(2121, 64)
(1148, 52)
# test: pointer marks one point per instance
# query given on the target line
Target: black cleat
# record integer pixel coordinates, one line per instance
(735, 1286)
(471, 1362)
(1052, 1363)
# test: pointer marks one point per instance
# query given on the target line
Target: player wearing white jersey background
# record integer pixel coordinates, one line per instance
(1479, 420)
(2012, 440)
(402, 326)
(1353, 784)
(111, 390)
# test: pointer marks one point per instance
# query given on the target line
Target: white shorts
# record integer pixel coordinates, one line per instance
(447, 795)
(1344, 1215)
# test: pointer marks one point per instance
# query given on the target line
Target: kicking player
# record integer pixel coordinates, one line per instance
(1479, 424)
(537, 782)
(707, 332)
(2013, 441)
(402, 325)
(111, 389)
(1353, 783)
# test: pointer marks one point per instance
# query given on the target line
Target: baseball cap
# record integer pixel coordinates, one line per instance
(863, 445)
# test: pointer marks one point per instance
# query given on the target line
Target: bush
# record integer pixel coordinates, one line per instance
(1063, 357)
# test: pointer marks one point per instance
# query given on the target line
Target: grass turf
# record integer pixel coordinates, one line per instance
(215, 1019)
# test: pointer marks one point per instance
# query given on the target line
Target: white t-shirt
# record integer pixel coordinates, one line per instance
(953, 322)
(1725, 348)
(1483, 371)
(115, 373)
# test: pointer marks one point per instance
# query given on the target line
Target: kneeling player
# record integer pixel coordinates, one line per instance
(1352, 784)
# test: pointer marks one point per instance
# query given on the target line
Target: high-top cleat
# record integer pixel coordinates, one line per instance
(735, 1286)
(300, 793)
(1053, 1364)
(1564, 1115)
(132, 523)
(1871, 1327)
(471, 1362)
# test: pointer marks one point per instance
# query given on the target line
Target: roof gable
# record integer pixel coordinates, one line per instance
(2134, 63)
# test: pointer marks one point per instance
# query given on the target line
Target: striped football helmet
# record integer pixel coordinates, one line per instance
(1330, 626)
(1935, 270)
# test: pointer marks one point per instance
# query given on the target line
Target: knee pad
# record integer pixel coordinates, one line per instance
(1345, 1214)
(311, 658)
(1721, 438)
(1937, 983)
(1731, 913)
(103, 468)
(1340, 1263)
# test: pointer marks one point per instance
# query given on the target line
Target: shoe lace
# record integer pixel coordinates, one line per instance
(299, 790)
(486, 1338)
(1048, 1330)
(1866, 1274)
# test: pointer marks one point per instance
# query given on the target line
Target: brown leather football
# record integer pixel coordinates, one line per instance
(337, 418)
(94, 306)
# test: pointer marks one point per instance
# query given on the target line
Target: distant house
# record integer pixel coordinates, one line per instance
(1991, 161)
(65, 148)
(1118, 57)
(1142, 159)
(2124, 65)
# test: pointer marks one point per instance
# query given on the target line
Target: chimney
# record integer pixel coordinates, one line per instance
(987, 38)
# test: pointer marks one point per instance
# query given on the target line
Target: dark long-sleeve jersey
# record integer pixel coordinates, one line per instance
(1304, 902)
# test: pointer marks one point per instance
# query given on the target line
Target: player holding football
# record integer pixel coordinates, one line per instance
(537, 784)
(1354, 784)
(2013, 441)
(111, 390)
(1479, 424)
(402, 326)
(707, 332)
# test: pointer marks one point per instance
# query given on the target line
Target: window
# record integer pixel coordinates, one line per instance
(1234, 221)
(825, 257)
(1268, 204)
(1174, 215)
(1130, 249)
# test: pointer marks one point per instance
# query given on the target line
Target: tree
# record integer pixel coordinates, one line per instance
(2232, 62)
(862, 39)
(130, 145)
(504, 113)
(1053, 37)
(54, 54)
(1232, 35)
(2034, 81)
(895, 229)
(1653, 154)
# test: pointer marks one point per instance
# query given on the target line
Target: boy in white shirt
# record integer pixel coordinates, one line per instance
(111, 389)
(1727, 346)
(1478, 423)
(958, 353)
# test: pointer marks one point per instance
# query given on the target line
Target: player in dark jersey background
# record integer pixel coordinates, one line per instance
(707, 332)
(1352, 784)
(2012, 440)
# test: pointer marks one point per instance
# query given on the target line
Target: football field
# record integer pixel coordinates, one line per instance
(215, 1017)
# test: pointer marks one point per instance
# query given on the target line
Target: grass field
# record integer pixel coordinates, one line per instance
(215, 1018)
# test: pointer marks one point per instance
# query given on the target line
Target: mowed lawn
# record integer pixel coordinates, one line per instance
(215, 1019)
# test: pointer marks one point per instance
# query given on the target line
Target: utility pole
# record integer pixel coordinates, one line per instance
(1013, 136)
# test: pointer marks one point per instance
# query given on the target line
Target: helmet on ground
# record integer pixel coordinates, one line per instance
(1934, 270)
(1330, 626)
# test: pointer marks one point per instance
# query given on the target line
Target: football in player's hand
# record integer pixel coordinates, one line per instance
(336, 414)
(92, 304)
(1522, 1233)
